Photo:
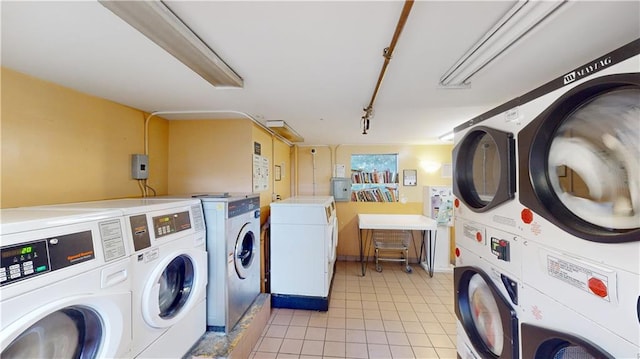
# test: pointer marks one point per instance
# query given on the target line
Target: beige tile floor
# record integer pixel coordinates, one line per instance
(390, 314)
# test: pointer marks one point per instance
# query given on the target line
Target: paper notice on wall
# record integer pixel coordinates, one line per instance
(340, 170)
(260, 173)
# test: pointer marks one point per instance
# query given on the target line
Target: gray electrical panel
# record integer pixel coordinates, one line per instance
(139, 166)
(341, 189)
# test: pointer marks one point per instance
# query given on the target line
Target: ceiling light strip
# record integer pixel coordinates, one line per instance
(158, 23)
(523, 17)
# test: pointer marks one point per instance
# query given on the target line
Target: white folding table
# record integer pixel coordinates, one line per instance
(413, 222)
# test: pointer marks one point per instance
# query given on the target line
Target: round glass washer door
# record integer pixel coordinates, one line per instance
(72, 332)
(580, 160)
(245, 251)
(484, 168)
(168, 293)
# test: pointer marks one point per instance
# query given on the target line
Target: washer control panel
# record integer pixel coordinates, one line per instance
(23, 261)
(171, 223)
(29, 259)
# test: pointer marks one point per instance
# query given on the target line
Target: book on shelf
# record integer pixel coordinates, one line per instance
(359, 176)
(375, 194)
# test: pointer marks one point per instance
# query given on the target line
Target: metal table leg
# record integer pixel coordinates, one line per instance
(361, 251)
(430, 250)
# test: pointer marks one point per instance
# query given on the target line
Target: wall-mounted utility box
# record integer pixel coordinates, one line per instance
(139, 166)
(341, 189)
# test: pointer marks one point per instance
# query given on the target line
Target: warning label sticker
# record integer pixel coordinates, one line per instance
(598, 282)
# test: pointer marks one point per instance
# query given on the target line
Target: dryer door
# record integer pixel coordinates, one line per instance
(484, 168)
(544, 343)
(245, 251)
(580, 161)
(173, 288)
(487, 317)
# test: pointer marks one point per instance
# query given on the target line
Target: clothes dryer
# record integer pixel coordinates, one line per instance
(65, 278)
(579, 162)
(233, 245)
(553, 330)
(501, 249)
(484, 161)
(304, 238)
(169, 265)
(486, 306)
(606, 295)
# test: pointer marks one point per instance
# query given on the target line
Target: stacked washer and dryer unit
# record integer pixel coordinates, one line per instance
(167, 270)
(488, 272)
(571, 214)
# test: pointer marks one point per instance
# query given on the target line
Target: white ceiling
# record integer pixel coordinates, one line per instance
(313, 64)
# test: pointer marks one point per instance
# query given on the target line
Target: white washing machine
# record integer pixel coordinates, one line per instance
(169, 264)
(552, 330)
(66, 284)
(233, 245)
(487, 308)
(304, 239)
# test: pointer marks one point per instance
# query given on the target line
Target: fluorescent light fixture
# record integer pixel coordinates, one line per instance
(157, 22)
(517, 22)
(282, 129)
(446, 137)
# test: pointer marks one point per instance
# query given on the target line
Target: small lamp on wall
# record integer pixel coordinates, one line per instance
(430, 166)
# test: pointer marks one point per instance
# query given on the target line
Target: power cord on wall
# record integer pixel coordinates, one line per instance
(144, 187)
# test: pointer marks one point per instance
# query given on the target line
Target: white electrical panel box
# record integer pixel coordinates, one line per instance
(139, 166)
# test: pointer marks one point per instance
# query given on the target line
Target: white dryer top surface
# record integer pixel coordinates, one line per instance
(224, 196)
(128, 205)
(22, 219)
(304, 201)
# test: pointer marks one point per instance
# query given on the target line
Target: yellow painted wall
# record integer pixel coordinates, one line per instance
(60, 145)
(321, 174)
(277, 152)
(217, 156)
(282, 157)
(409, 157)
(210, 156)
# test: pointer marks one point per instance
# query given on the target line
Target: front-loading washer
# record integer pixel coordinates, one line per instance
(233, 245)
(553, 330)
(487, 306)
(65, 278)
(169, 271)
